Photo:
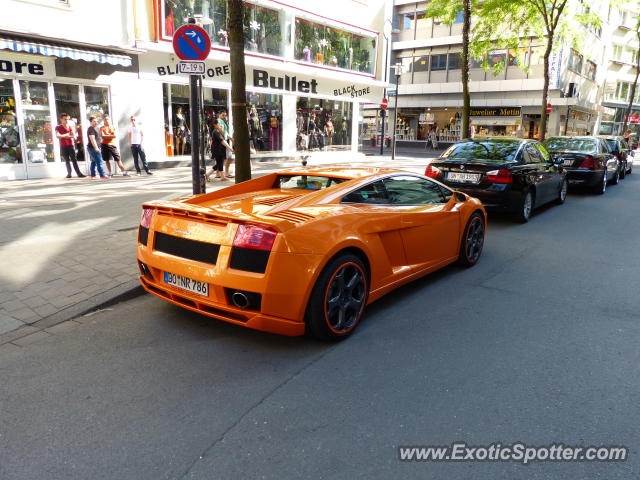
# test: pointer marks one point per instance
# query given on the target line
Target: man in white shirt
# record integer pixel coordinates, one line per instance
(136, 136)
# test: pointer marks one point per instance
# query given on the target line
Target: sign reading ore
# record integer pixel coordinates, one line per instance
(496, 112)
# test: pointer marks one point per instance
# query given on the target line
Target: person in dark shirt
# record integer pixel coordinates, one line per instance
(93, 146)
(65, 135)
(219, 148)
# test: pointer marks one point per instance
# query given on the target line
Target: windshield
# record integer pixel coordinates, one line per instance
(562, 144)
(495, 151)
(306, 182)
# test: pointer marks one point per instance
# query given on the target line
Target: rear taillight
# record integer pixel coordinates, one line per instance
(588, 162)
(145, 218)
(500, 176)
(432, 172)
(255, 237)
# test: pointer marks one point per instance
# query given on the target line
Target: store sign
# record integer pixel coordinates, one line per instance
(633, 119)
(26, 66)
(496, 112)
(157, 66)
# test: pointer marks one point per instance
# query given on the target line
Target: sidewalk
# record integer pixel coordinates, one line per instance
(67, 246)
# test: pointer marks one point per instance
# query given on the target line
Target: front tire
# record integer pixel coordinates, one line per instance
(616, 177)
(623, 171)
(338, 298)
(472, 241)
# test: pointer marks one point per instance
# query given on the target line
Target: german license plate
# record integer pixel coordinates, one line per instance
(184, 283)
(463, 177)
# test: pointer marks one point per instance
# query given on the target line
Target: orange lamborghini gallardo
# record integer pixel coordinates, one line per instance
(304, 250)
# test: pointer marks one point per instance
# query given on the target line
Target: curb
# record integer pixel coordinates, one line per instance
(121, 293)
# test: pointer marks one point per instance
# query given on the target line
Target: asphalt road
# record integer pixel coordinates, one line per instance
(538, 343)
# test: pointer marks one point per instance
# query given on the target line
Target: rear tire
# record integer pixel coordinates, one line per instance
(526, 207)
(602, 187)
(472, 241)
(562, 194)
(338, 298)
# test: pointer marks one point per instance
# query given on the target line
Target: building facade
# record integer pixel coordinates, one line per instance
(310, 67)
(509, 103)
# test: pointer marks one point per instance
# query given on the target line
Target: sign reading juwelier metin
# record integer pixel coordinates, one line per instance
(152, 66)
(495, 112)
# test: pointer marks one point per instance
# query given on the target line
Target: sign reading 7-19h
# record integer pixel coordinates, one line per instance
(192, 45)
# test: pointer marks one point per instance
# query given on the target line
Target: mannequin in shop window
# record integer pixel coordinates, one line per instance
(182, 131)
(328, 132)
(255, 131)
(274, 131)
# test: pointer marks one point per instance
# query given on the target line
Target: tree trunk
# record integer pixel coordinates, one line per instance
(238, 90)
(466, 100)
(633, 90)
(545, 88)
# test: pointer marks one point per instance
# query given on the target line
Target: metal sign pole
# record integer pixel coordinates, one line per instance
(195, 134)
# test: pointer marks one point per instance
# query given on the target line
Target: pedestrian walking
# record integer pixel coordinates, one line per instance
(66, 136)
(219, 148)
(109, 147)
(136, 135)
(222, 117)
(93, 146)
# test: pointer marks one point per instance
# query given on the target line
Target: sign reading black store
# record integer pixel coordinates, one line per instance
(266, 78)
(495, 111)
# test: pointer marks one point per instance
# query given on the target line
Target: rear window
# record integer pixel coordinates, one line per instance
(306, 182)
(483, 151)
(582, 145)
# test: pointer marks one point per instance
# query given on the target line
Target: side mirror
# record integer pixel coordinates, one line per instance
(460, 197)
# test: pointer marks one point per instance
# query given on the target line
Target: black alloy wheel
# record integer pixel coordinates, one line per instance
(562, 193)
(338, 298)
(472, 241)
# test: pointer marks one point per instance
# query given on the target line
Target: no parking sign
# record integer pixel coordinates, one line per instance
(191, 42)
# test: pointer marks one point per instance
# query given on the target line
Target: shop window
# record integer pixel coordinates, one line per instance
(10, 151)
(37, 122)
(421, 64)
(455, 61)
(265, 121)
(262, 25)
(438, 62)
(323, 124)
(316, 43)
(262, 30)
(67, 98)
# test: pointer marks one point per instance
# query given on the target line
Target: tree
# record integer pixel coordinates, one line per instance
(503, 23)
(447, 11)
(635, 82)
(238, 89)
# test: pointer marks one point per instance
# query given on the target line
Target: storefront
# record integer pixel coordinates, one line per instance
(612, 120)
(288, 111)
(32, 97)
(420, 125)
(496, 121)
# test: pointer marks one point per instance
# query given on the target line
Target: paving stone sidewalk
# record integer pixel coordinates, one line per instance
(68, 246)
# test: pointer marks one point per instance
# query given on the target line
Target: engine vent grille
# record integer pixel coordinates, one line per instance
(295, 217)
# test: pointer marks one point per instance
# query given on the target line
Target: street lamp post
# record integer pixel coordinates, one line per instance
(386, 67)
(398, 71)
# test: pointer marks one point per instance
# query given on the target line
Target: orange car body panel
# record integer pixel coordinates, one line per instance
(400, 243)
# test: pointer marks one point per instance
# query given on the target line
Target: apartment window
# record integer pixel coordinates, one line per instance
(617, 52)
(622, 91)
(517, 57)
(407, 64)
(455, 61)
(421, 64)
(496, 58)
(590, 70)
(408, 21)
(575, 61)
(438, 62)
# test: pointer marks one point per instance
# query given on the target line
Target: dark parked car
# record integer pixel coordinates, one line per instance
(619, 147)
(587, 160)
(509, 174)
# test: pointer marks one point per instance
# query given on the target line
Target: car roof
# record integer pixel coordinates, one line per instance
(499, 139)
(341, 172)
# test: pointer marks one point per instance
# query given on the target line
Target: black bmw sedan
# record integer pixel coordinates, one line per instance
(509, 174)
(587, 160)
